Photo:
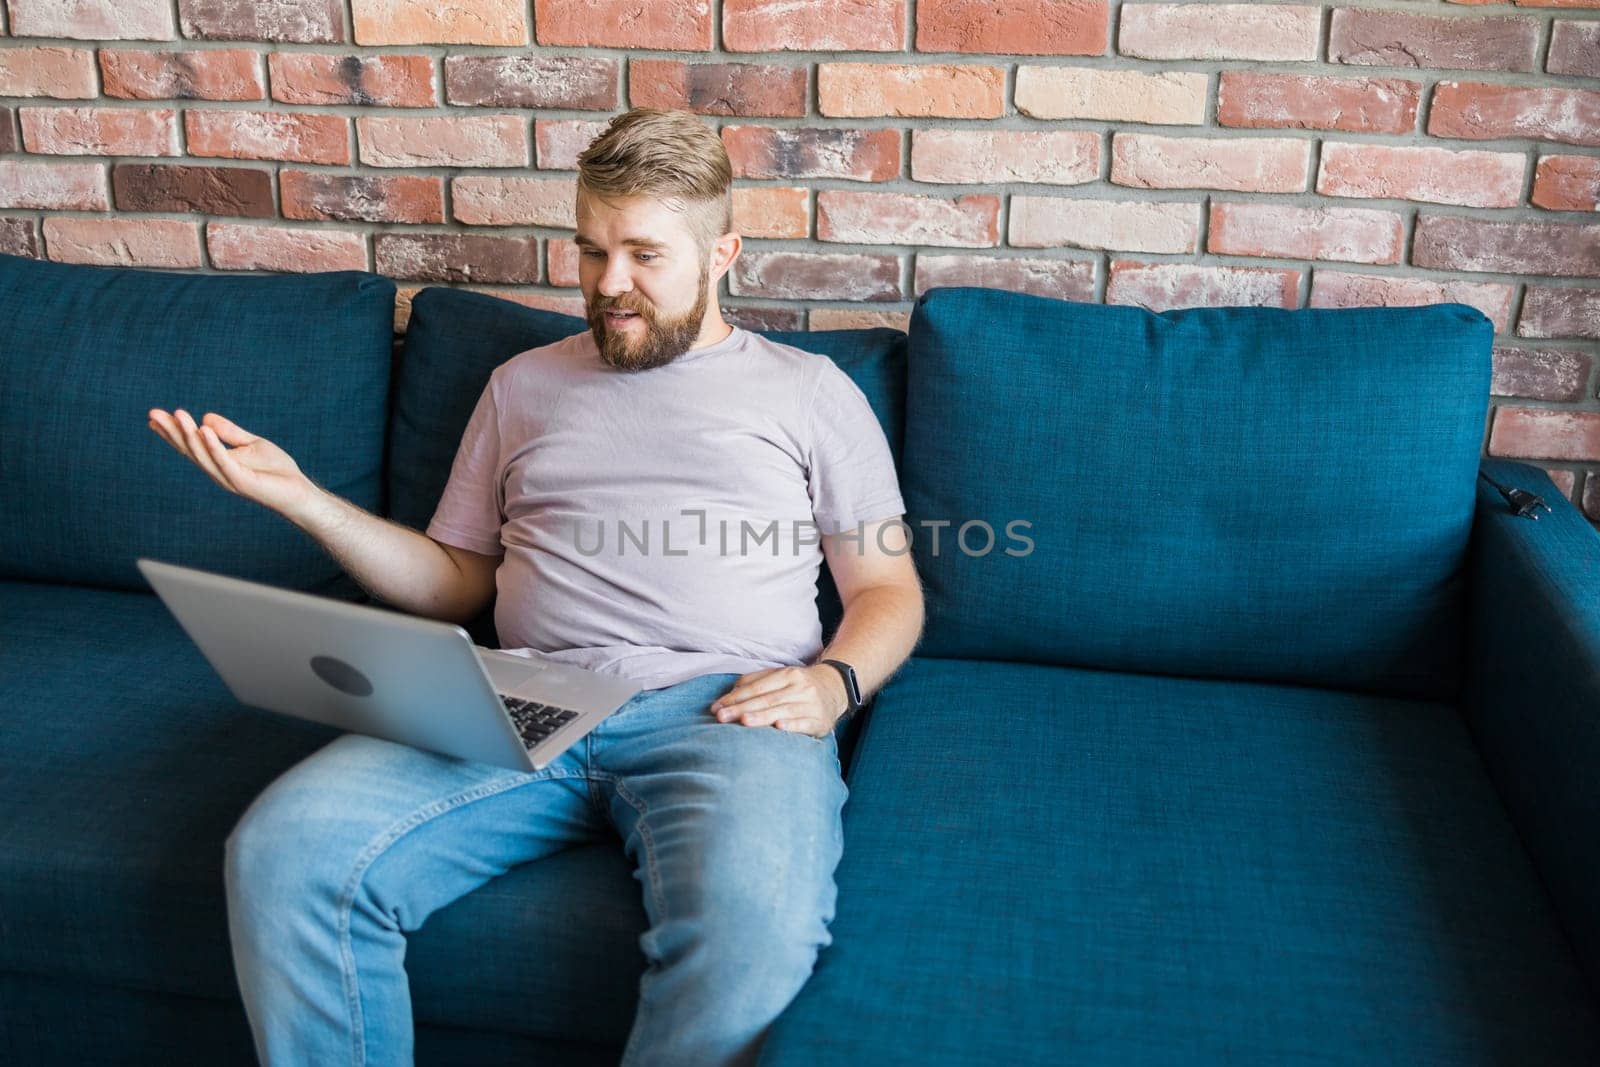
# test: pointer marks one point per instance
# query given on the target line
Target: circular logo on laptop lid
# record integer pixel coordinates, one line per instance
(342, 676)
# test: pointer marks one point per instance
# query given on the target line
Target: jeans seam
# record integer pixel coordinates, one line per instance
(647, 842)
(368, 856)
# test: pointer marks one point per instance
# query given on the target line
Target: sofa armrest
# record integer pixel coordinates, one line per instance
(1531, 691)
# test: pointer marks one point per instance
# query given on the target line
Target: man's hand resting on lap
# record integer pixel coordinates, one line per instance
(804, 699)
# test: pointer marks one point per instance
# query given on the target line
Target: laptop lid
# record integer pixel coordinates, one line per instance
(353, 666)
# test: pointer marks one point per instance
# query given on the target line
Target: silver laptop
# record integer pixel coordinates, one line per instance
(385, 673)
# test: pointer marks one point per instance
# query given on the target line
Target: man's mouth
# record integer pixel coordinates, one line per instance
(621, 316)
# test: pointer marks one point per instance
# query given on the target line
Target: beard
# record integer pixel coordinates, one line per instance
(664, 338)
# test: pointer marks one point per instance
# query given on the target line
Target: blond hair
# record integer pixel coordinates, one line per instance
(667, 155)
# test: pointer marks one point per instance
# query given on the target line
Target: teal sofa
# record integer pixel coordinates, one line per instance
(1266, 730)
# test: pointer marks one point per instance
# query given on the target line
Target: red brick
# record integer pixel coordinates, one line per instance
(1452, 242)
(1169, 98)
(1045, 157)
(123, 242)
(178, 187)
(502, 22)
(443, 140)
(1574, 49)
(1163, 286)
(207, 74)
(768, 26)
(857, 319)
(776, 212)
(1255, 164)
(457, 257)
(1567, 183)
(293, 136)
(1122, 225)
(1219, 31)
(1338, 289)
(242, 246)
(63, 73)
(577, 82)
(1018, 27)
(18, 237)
(297, 21)
(561, 262)
(1433, 175)
(560, 140)
(99, 131)
(560, 303)
(755, 89)
(1551, 312)
(1286, 231)
(1403, 39)
(8, 131)
(765, 318)
(1557, 374)
(489, 200)
(1064, 279)
(1316, 102)
(866, 90)
(1539, 433)
(668, 25)
(383, 80)
(816, 276)
(58, 186)
(102, 20)
(1485, 111)
(908, 219)
(797, 152)
(320, 196)
(1591, 497)
(1565, 480)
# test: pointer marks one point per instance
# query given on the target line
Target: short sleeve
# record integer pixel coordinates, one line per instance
(851, 475)
(470, 512)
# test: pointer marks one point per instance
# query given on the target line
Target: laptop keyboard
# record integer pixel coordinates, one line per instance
(536, 721)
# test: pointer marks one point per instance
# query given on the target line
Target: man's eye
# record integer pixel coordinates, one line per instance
(593, 252)
(645, 257)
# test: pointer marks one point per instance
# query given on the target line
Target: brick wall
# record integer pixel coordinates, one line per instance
(1397, 151)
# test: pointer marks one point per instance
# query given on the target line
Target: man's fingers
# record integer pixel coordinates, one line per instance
(226, 429)
(167, 435)
(770, 715)
(770, 682)
(199, 450)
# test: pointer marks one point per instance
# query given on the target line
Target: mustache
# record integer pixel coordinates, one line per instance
(611, 303)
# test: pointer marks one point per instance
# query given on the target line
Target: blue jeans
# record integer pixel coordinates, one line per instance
(734, 832)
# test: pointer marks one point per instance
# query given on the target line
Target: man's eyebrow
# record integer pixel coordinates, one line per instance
(638, 242)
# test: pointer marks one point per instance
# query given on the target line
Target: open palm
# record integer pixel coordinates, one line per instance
(236, 459)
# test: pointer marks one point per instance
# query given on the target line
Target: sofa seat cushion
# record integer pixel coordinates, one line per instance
(1057, 865)
(125, 762)
(86, 487)
(1234, 492)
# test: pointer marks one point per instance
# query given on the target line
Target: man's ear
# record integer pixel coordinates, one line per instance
(723, 253)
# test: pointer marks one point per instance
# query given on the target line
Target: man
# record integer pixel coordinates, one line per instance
(722, 776)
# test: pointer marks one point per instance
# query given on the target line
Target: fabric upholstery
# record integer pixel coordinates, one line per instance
(1230, 492)
(85, 352)
(1533, 688)
(1092, 867)
(126, 763)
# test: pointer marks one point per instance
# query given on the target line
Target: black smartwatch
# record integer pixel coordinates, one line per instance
(852, 688)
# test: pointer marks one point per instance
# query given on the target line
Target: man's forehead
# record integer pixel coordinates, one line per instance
(643, 221)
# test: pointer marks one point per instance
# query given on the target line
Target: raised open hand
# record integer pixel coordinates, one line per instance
(253, 467)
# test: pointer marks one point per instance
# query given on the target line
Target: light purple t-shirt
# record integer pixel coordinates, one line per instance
(662, 524)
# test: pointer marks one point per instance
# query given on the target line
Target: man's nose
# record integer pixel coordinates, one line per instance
(615, 280)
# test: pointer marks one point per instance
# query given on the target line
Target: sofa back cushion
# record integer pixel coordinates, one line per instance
(1232, 492)
(87, 487)
(455, 340)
